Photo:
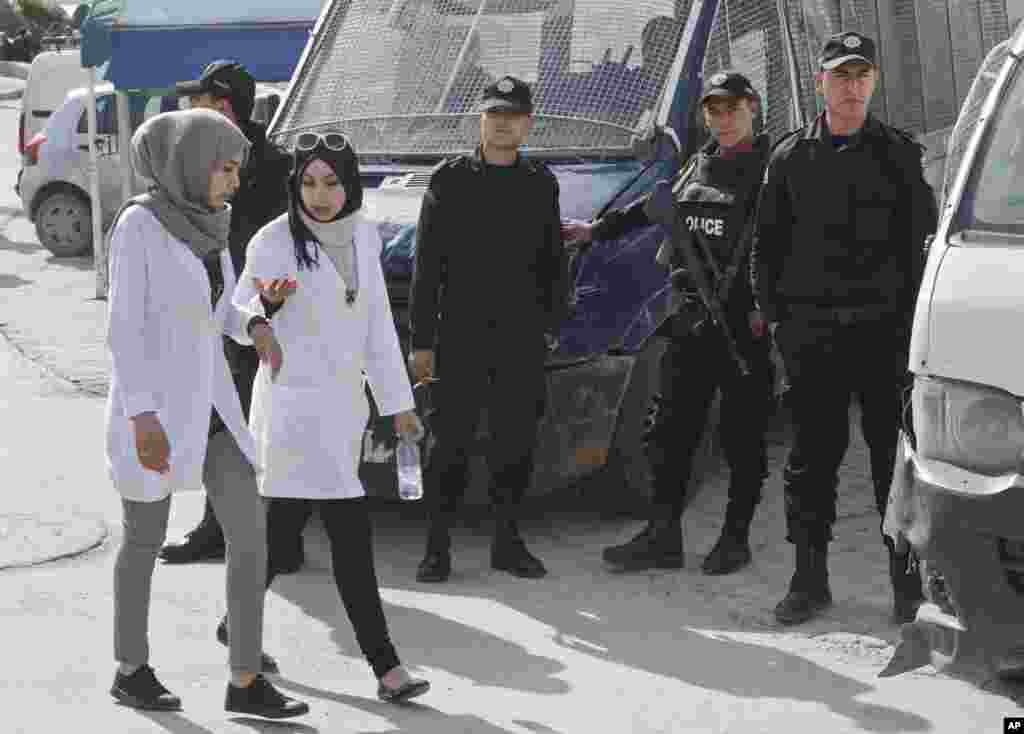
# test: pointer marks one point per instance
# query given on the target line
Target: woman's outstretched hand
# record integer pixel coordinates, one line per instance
(276, 290)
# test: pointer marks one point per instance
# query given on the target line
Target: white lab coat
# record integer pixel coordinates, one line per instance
(309, 422)
(168, 356)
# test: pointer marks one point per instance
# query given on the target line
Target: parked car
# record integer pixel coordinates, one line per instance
(958, 490)
(54, 180)
(50, 77)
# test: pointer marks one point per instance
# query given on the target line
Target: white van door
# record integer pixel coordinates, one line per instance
(51, 76)
(107, 149)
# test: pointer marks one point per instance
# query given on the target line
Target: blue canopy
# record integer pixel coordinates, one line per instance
(152, 45)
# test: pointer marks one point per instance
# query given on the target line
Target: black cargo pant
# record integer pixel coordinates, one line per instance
(513, 393)
(695, 366)
(829, 358)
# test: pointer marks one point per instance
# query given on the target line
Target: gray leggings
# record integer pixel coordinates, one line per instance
(231, 486)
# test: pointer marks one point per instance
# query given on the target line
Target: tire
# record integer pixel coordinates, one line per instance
(64, 222)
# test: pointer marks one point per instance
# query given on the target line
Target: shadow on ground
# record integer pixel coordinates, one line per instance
(527, 635)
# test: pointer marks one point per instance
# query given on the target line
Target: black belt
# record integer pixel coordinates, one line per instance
(843, 314)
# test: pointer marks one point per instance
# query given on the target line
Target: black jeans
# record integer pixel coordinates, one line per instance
(827, 363)
(693, 368)
(347, 523)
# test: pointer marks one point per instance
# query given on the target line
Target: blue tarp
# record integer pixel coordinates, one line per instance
(152, 45)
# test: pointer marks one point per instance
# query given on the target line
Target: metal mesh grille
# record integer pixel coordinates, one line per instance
(748, 37)
(405, 76)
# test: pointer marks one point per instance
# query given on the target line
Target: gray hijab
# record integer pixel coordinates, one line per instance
(177, 151)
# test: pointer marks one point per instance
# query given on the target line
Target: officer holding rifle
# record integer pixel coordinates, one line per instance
(718, 340)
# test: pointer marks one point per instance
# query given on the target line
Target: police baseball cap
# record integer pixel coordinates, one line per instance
(224, 78)
(508, 94)
(842, 48)
(727, 84)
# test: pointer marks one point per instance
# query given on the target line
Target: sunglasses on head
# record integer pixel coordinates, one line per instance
(307, 142)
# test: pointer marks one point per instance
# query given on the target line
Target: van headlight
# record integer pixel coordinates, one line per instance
(977, 428)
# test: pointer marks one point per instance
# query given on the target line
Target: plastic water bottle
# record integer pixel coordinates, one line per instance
(410, 475)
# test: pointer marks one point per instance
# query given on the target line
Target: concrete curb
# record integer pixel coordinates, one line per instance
(32, 539)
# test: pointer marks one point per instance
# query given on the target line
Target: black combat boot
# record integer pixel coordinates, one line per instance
(809, 594)
(658, 545)
(729, 554)
(509, 552)
(732, 551)
(906, 585)
(205, 543)
(436, 565)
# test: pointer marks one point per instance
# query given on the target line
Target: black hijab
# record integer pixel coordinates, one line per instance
(345, 165)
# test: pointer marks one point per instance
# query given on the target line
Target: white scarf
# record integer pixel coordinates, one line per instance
(338, 240)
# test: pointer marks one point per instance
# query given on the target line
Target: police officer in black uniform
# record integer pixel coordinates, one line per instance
(490, 281)
(715, 193)
(844, 214)
(227, 87)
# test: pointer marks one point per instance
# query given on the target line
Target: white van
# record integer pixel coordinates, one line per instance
(50, 77)
(958, 490)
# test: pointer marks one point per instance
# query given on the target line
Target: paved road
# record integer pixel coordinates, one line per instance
(582, 651)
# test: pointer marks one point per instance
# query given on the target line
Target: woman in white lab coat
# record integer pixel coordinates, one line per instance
(173, 415)
(315, 271)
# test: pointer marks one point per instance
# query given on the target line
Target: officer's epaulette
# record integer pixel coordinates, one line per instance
(444, 165)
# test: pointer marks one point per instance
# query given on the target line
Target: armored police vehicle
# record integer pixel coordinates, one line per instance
(401, 78)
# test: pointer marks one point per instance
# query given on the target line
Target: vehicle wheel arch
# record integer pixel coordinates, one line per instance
(54, 187)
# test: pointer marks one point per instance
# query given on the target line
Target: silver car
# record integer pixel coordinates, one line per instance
(54, 180)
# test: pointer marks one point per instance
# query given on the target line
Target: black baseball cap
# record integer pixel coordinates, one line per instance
(224, 78)
(727, 84)
(845, 47)
(508, 94)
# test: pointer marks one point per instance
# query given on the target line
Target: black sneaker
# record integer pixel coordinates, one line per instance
(142, 690)
(267, 664)
(262, 699)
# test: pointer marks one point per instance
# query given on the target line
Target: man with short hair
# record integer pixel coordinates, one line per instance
(489, 239)
(226, 86)
(844, 214)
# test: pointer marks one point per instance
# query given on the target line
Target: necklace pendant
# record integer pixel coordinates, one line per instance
(350, 296)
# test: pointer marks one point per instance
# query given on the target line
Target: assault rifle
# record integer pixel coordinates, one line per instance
(661, 207)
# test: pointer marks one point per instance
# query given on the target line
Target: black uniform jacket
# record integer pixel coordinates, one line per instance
(728, 184)
(262, 196)
(842, 227)
(490, 274)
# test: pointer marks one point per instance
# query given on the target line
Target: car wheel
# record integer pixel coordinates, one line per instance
(64, 223)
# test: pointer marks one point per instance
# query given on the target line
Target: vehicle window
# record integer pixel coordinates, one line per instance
(967, 120)
(106, 116)
(994, 199)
